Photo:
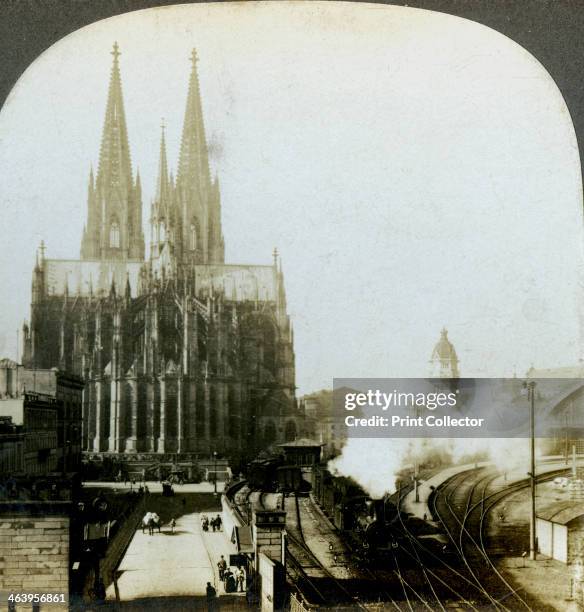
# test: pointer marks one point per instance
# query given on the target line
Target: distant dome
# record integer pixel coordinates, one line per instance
(444, 359)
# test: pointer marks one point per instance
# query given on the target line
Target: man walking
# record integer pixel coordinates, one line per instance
(222, 565)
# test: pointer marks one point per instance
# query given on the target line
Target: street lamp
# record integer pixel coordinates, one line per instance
(215, 473)
(529, 388)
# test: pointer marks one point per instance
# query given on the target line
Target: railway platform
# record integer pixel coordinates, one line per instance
(421, 509)
(174, 564)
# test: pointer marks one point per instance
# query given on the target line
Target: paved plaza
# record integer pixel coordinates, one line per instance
(173, 565)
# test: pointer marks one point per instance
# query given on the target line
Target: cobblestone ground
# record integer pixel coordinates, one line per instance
(170, 571)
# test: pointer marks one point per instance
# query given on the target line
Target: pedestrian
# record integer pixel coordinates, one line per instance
(211, 595)
(229, 581)
(172, 524)
(146, 489)
(99, 591)
(240, 579)
(213, 524)
(222, 565)
(218, 522)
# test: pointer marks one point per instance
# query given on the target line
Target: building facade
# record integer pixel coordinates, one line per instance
(40, 420)
(28, 439)
(181, 353)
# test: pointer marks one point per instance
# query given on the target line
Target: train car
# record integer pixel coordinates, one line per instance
(262, 474)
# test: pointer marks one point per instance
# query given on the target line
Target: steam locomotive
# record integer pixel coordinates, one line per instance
(371, 527)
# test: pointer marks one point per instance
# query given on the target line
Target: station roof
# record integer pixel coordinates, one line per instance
(562, 512)
(301, 443)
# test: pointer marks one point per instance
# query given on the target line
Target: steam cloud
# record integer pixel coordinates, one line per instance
(375, 463)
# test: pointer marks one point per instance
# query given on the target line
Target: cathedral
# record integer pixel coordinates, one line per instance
(181, 353)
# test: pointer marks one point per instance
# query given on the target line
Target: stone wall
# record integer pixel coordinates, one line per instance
(34, 554)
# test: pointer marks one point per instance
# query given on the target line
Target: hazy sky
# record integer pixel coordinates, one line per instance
(414, 169)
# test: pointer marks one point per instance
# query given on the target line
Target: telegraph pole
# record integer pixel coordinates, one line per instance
(532, 522)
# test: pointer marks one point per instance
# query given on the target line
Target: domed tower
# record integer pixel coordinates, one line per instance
(444, 361)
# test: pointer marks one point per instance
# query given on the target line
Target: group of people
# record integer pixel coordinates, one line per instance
(232, 582)
(215, 523)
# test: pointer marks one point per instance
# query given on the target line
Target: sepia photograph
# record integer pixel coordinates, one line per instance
(292, 306)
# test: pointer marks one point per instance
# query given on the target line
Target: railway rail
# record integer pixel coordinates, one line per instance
(417, 576)
(462, 505)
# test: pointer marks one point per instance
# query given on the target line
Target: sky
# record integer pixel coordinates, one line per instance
(415, 170)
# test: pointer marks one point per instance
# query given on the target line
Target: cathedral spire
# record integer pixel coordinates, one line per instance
(115, 166)
(114, 219)
(162, 184)
(193, 162)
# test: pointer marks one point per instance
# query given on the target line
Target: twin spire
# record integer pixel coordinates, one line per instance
(114, 225)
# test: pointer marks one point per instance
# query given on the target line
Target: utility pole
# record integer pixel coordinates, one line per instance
(566, 439)
(532, 522)
(416, 464)
(215, 473)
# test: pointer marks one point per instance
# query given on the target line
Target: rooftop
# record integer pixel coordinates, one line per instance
(301, 443)
(563, 512)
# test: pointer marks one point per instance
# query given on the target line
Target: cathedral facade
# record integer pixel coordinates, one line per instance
(181, 353)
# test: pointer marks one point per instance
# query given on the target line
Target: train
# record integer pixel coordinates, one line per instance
(370, 526)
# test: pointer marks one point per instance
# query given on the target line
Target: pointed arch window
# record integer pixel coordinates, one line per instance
(114, 237)
(162, 230)
(193, 237)
(213, 413)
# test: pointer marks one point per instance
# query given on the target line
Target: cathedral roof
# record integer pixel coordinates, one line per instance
(84, 277)
(561, 372)
(237, 282)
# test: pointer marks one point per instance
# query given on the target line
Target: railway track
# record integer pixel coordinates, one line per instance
(441, 572)
(312, 580)
(317, 584)
(462, 505)
(379, 586)
(421, 577)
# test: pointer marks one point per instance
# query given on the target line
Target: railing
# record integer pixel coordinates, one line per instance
(120, 543)
(298, 605)
(117, 548)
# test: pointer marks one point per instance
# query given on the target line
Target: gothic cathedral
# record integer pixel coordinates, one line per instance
(181, 353)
